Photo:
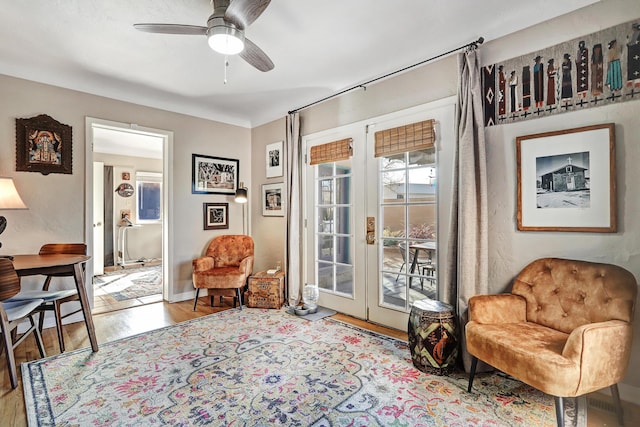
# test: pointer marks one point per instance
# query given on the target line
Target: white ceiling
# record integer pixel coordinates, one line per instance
(318, 47)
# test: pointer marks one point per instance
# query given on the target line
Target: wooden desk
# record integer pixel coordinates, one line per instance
(428, 247)
(60, 264)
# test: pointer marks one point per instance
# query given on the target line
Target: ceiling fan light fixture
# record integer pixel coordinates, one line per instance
(226, 39)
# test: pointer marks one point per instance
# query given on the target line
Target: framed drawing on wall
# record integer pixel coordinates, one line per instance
(274, 157)
(214, 175)
(273, 199)
(216, 216)
(567, 180)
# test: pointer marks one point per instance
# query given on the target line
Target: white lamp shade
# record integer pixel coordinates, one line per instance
(9, 197)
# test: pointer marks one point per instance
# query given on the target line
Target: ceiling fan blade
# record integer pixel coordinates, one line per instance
(243, 12)
(195, 30)
(255, 56)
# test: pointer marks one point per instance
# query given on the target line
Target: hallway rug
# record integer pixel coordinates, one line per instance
(259, 367)
(130, 283)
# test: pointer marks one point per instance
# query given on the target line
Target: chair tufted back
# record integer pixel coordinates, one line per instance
(229, 250)
(564, 294)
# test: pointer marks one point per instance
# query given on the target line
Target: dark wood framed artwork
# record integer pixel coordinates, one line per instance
(567, 180)
(216, 216)
(214, 175)
(43, 145)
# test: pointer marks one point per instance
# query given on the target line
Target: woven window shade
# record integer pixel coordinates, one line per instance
(416, 136)
(331, 152)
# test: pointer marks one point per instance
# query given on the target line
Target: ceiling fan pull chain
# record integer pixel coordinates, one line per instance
(226, 65)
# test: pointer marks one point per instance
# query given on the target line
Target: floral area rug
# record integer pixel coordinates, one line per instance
(130, 283)
(259, 367)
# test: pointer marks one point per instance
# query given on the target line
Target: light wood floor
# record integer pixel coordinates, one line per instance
(118, 324)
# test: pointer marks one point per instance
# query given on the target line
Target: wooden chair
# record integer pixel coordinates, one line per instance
(52, 300)
(225, 268)
(11, 315)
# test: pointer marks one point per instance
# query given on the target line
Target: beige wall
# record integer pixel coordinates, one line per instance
(57, 202)
(267, 231)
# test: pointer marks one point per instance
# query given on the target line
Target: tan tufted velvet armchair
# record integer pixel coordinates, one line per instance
(565, 329)
(225, 268)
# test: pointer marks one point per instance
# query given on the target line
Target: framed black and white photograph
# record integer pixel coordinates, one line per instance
(274, 157)
(273, 200)
(567, 180)
(214, 175)
(216, 216)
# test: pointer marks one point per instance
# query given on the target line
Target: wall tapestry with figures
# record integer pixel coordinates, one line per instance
(597, 69)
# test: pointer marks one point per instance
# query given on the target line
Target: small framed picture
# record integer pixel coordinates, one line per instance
(126, 176)
(273, 200)
(214, 175)
(216, 216)
(274, 160)
(567, 180)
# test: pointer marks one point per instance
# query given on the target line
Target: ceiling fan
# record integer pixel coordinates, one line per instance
(225, 30)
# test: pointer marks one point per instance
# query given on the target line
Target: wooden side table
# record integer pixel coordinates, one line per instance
(266, 290)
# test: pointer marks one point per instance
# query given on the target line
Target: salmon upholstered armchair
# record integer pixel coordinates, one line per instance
(225, 267)
(565, 329)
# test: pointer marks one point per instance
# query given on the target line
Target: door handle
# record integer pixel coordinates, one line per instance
(371, 230)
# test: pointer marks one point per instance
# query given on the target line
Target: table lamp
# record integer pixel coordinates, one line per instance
(9, 199)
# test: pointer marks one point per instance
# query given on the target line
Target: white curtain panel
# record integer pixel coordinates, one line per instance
(294, 212)
(466, 272)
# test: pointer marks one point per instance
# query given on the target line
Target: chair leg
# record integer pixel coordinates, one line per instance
(8, 345)
(239, 297)
(474, 365)
(616, 401)
(56, 312)
(38, 337)
(195, 300)
(211, 300)
(559, 411)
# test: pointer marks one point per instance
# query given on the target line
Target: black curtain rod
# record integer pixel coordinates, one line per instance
(364, 85)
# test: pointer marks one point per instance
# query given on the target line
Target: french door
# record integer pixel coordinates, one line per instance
(397, 198)
(334, 221)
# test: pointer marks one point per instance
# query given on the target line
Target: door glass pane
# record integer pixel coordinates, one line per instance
(325, 224)
(393, 218)
(343, 220)
(393, 189)
(343, 250)
(325, 191)
(422, 157)
(344, 279)
(397, 161)
(325, 248)
(325, 275)
(422, 185)
(422, 222)
(343, 192)
(325, 169)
